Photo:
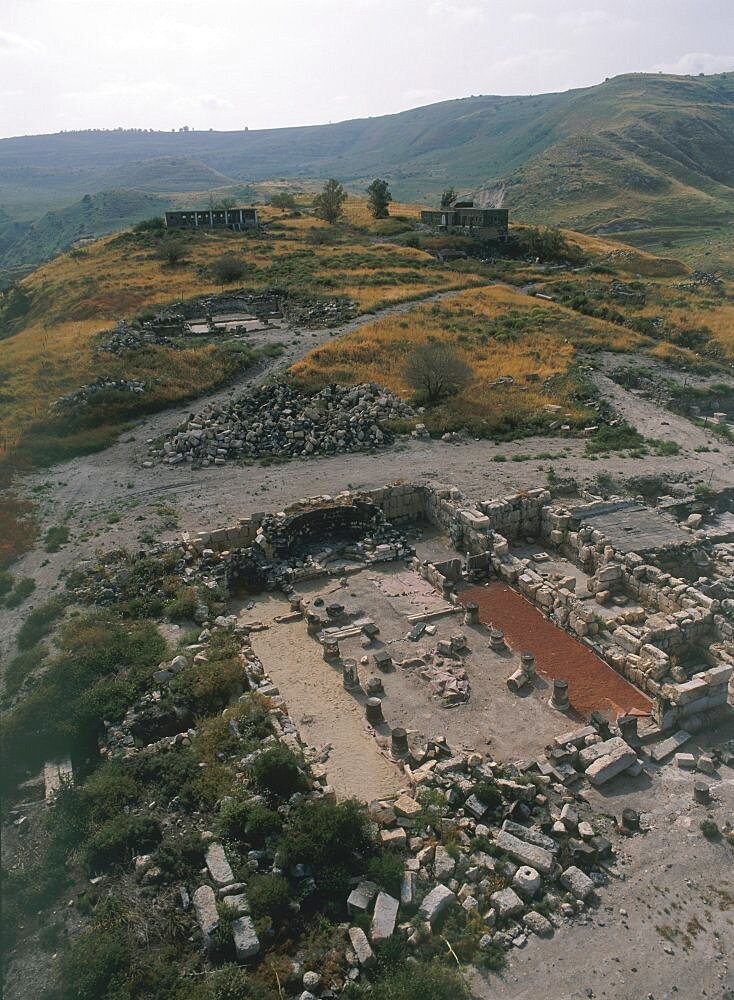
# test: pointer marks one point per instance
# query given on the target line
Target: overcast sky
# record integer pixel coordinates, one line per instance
(224, 64)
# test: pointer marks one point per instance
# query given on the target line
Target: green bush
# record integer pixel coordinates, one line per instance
(251, 822)
(56, 536)
(230, 982)
(39, 622)
(227, 269)
(92, 964)
(182, 858)
(387, 869)
(6, 582)
(710, 829)
(488, 793)
(19, 668)
(277, 772)
(119, 839)
(109, 790)
(616, 438)
(20, 592)
(183, 606)
(421, 981)
(206, 688)
(269, 896)
(325, 834)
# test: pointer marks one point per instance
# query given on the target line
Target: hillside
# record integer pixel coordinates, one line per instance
(647, 157)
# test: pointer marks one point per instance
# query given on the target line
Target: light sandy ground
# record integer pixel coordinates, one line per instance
(323, 711)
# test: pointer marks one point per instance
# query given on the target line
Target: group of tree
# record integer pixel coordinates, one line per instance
(329, 203)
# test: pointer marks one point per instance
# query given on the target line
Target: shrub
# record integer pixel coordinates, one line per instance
(182, 858)
(329, 204)
(488, 793)
(119, 839)
(92, 963)
(250, 822)
(109, 790)
(171, 250)
(39, 622)
(284, 200)
(154, 225)
(323, 834)
(421, 981)
(230, 982)
(22, 590)
(277, 772)
(19, 668)
(206, 688)
(183, 606)
(269, 896)
(436, 370)
(227, 269)
(56, 536)
(6, 582)
(710, 829)
(387, 870)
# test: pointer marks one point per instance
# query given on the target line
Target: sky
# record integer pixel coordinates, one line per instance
(227, 64)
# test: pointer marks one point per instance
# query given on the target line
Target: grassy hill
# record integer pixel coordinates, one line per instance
(647, 157)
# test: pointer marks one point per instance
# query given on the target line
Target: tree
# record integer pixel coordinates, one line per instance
(227, 203)
(329, 204)
(378, 198)
(436, 370)
(284, 200)
(227, 268)
(171, 250)
(448, 197)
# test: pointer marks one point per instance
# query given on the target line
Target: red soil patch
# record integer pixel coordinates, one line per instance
(592, 684)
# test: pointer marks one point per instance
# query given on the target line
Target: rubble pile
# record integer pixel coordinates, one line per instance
(124, 338)
(103, 384)
(278, 421)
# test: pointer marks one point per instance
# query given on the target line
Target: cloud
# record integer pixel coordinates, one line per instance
(210, 102)
(11, 43)
(456, 11)
(696, 62)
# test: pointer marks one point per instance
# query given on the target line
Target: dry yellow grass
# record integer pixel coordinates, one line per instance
(500, 333)
(76, 296)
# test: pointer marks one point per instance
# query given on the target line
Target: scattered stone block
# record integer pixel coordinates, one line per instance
(577, 882)
(538, 924)
(396, 838)
(246, 941)
(406, 806)
(383, 918)
(362, 949)
(216, 862)
(686, 761)
(506, 902)
(669, 746)
(205, 907)
(434, 904)
(611, 764)
(360, 899)
(408, 888)
(525, 854)
(443, 863)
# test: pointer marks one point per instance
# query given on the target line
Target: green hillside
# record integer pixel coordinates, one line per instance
(647, 157)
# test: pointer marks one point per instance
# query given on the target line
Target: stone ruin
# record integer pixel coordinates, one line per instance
(668, 638)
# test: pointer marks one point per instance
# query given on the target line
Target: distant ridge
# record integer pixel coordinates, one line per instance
(649, 157)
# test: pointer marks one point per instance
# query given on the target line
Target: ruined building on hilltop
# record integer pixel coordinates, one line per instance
(212, 218)
(464, 217)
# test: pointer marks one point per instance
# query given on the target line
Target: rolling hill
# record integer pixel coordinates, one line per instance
(649, 158)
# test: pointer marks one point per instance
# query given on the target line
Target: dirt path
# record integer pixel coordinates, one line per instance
(650, 419)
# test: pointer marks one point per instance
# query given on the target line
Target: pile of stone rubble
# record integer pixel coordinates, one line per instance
(102, 384)
(124, 338)
(276, 420)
